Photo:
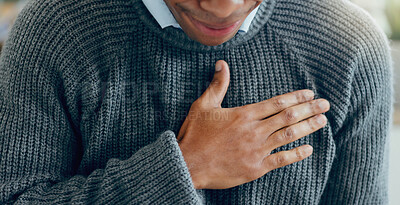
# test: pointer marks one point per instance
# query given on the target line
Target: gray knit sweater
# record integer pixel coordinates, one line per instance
(93, 93)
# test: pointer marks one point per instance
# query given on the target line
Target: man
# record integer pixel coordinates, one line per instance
(101, 104)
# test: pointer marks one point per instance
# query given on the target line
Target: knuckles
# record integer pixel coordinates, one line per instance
(299, 154)
(281, 160)
(301, 96)
(289, 115)
(287, 135)
(278, 103)
(312, 124)
(215, 82)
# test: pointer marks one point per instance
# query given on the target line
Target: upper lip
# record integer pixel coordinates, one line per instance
(215, 26)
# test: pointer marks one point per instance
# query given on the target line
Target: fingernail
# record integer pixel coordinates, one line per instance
(323, 104)
(308, 150)
(321, 119)
(218, 67)
(309, 95)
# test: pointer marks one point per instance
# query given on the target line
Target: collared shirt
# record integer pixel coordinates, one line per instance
(165, 18)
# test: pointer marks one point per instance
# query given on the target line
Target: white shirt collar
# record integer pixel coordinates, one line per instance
(165, 18)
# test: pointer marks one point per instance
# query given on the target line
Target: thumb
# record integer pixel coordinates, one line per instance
(216, 91)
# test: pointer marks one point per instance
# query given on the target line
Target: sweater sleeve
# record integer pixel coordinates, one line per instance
(38, 155)
(39, 145)
(359, 174)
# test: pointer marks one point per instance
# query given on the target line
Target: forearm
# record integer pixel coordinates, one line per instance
(155, 174)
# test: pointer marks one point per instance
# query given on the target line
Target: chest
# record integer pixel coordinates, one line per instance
(152, 90)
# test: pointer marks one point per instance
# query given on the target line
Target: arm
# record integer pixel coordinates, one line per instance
(38, 154)
(359, 172)
(40, 148)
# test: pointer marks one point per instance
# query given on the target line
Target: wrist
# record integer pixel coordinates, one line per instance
(198, 182)
(198, 179)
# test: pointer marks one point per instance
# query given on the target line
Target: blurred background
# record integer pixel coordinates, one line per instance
(387, 15)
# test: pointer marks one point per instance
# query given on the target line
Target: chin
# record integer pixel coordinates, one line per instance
(200, 37)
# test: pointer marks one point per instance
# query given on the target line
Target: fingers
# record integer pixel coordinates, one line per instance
(285, 158)
(276, 104)
(295, 132)
(293, 115)
(215, 93)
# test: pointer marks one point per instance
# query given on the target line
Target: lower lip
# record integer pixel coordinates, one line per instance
(214, 32)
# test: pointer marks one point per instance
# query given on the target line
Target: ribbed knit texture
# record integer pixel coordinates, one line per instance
(93, 93)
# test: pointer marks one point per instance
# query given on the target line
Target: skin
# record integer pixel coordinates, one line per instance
(227, 147)
(212, 12)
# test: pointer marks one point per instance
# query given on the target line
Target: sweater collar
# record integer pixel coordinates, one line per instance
(178, 38)
(161, 13)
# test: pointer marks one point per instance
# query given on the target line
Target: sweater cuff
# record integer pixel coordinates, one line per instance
(158, 174)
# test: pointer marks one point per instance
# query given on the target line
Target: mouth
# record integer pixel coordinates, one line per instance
(217, 30)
